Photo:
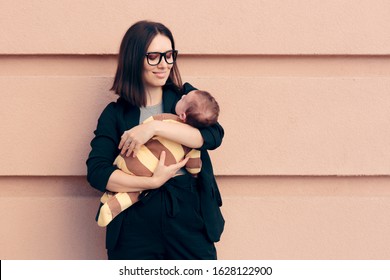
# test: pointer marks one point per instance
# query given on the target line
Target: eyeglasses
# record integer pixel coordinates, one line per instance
(154, 58)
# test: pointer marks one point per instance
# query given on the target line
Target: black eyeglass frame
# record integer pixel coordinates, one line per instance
(164, 54)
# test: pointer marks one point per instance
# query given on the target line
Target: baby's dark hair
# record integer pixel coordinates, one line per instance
(203, 112)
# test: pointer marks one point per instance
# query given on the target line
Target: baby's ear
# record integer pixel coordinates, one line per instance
(183, 117)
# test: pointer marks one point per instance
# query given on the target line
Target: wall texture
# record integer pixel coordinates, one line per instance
(304, 172)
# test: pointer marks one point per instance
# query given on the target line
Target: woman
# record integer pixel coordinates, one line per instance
(178, 216)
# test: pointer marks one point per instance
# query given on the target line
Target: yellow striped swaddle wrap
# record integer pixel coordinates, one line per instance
(144, 164)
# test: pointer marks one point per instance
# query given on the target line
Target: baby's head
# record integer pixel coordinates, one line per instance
(198, 108)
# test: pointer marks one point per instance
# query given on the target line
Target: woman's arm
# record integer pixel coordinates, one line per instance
(119, 181)
(103, 175)
(103, 149)
(212, 136)
(179, 132)
(133, 139)
(208, 138)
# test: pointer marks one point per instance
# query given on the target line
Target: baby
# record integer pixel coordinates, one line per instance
(198, 109)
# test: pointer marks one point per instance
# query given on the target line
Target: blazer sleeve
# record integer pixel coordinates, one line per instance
(104, 149)
(212, 135)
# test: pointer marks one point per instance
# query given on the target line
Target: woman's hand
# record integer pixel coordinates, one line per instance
(163, 173)
(133, 139)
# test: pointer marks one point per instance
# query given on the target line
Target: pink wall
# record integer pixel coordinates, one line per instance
(304, 173)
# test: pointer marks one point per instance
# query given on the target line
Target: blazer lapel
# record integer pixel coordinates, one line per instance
(128, 116)
(169, 101)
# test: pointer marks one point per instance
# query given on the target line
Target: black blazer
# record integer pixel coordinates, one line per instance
(120, 116)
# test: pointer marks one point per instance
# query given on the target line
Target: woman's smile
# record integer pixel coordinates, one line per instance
(160, 74)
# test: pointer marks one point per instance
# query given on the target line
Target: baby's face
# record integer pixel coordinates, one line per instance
(183, 103)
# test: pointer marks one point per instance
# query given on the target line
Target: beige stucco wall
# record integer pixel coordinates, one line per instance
(304, 91)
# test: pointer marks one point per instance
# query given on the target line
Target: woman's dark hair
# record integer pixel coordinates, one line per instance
(128, 82)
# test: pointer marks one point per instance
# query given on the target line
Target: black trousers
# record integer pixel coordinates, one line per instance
(165, 225)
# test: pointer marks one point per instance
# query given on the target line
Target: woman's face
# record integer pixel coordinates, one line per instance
(156, 76)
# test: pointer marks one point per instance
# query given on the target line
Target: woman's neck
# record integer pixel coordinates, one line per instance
(153, 96)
